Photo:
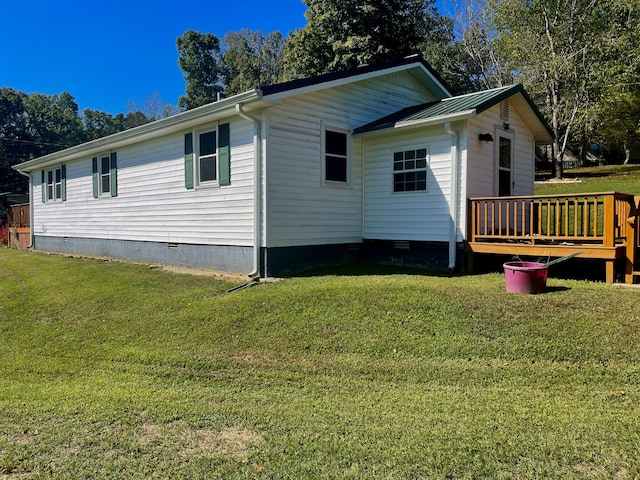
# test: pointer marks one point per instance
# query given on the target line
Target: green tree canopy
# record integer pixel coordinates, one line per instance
(344, 34)
(615, 118)
(251, 59)
(38, 124)
(554, 47)
(199, 60)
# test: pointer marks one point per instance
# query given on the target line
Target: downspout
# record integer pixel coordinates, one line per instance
(28, 175)
(454, 194)
(257, 180)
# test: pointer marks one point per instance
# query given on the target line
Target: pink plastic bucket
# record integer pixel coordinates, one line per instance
(525, 277)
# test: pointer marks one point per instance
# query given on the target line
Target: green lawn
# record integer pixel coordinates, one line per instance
(113, 370)
(611, 178)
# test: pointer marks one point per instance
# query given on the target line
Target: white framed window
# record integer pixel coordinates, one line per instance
(335, 156)
(207, 157)
(54, 184)
(105, 175)
(410, 170)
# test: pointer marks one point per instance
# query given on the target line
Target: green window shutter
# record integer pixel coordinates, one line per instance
(224, 154)
(188, 161)
(63, 182)
(113, 174)
(94, 172)
(44, 187)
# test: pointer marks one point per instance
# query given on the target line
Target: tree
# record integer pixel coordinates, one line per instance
(14, 142)
(475, 43)
(153, 107)
(552, 46)
(53, 122)
(251, 59)
(344, 34)
(98, 124)
(615, 118)
(199, 60)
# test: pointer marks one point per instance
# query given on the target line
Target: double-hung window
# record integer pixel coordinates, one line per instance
(336, 156)
(410, 170)
(54, 184)
(105, 175)
(207, 157)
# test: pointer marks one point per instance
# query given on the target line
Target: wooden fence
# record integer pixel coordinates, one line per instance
(19, 226)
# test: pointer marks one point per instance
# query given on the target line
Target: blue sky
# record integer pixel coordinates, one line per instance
(106, 53)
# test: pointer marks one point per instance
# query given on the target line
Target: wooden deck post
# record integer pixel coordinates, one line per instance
(631, 241)
(608, 234)
(471, 231)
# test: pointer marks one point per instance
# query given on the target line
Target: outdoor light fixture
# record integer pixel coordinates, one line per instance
(485, 137)
(506, 126)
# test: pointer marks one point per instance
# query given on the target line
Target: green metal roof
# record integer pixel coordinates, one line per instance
(473, 104)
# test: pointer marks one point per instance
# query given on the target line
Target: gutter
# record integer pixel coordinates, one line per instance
(257, 181)
(422, 122)
(28, 175)
(175, 123)
(454, 195)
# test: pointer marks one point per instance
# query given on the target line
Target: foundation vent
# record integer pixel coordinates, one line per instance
(401, 245)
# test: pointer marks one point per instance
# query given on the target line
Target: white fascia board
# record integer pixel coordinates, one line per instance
(425, 122)
(176, 123)
(452, 117)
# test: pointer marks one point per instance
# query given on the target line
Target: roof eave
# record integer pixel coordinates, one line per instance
(423, 122)
(276, 93)
(181, 121)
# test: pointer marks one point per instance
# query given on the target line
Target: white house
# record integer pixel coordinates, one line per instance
(374, 163)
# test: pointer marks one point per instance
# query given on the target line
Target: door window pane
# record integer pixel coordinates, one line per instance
(505, 152)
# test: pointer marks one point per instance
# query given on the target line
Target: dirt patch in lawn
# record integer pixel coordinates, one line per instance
(234, 442)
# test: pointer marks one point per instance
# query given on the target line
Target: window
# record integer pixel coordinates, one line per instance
(54, 184)
(410, 170)
(336, 156)
(208, 162)
(504, 166)
(207, 157)
(105, 175)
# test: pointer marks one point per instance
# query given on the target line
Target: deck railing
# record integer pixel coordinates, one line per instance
(599, 225)
(593, 218)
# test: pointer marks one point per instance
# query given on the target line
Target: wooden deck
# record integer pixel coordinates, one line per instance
(600, 225)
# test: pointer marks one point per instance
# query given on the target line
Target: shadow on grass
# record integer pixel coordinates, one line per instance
(554, 288)
(574, 269)
(367, 269)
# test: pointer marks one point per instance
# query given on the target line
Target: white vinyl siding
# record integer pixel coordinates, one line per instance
(418, 216)
(152, 202)
(302, 208)
(482, 163)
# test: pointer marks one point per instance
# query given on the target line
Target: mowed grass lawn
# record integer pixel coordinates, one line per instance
(609, 178)
(114, 370)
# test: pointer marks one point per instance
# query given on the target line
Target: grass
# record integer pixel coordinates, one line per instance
(113, 370)
(611, 178)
